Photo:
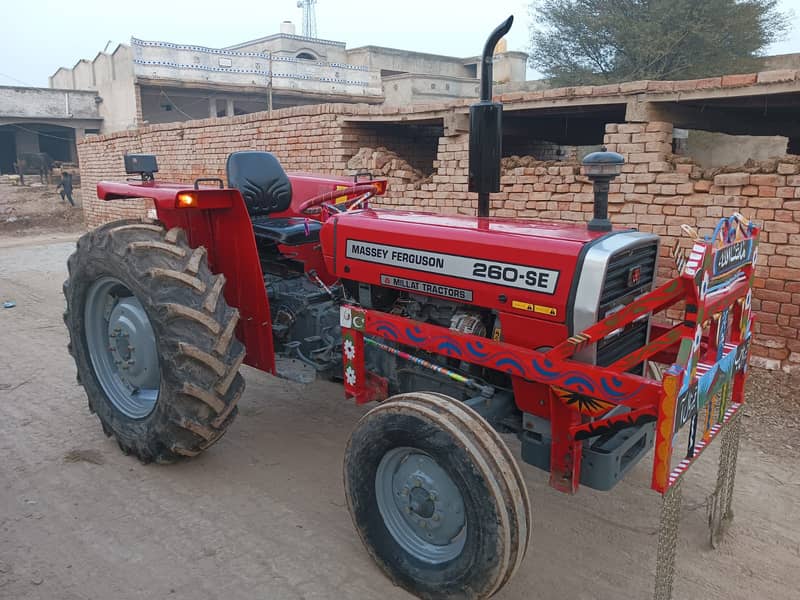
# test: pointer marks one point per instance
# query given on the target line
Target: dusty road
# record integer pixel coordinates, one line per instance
(38, 208)
(262, 515)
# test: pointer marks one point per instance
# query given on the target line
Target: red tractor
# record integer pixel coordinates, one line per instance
(461, 328)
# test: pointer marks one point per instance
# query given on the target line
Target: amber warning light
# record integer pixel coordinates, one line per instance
(203, 199)
(187, 201)
(380, 186)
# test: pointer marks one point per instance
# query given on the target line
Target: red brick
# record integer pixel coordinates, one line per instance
(618, 138)
(652, 136)
(640, 177)
(660, 147)
(749, 190)
(669, 189)
(738, 80)
(644, 157)
(605, 90)
(631, 127)
(659, 126)
(660, 86)
(556, 93)
(782, 227)
(763, 202)
(767, 191)
(770, 307)
(774, 296)
(672, 178)
(779, 237)
(685, 85)
(708, 82)
(732, 179)
(791, 310)
(702, 185)
(776, 76)
(628, 148)
(768, 179)
(632, 86)
(785, 273)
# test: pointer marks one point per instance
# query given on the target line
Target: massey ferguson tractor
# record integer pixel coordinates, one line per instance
(457, 329)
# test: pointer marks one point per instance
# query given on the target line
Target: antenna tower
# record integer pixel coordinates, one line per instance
(309, 17)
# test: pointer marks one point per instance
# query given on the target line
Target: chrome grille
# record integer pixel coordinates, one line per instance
(630, 273)
(616, 288)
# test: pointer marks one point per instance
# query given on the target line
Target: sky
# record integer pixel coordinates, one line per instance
(46, 34)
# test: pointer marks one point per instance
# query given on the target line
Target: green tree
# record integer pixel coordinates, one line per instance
(604, 41)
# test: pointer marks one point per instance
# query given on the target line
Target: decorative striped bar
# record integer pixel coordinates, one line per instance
(679, 470)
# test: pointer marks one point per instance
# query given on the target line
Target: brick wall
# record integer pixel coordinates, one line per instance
(657, 192)
(540, 149)
(307, 138)
(416, 145)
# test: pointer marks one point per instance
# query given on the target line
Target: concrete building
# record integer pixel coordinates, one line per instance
(47, 120)
(150, 82)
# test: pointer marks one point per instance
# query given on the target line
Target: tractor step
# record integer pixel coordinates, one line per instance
(295, 370)
(605, 462)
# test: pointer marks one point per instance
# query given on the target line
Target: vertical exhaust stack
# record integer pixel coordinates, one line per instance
(486, 129)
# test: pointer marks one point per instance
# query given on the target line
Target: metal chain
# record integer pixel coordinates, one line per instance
(668, 541)
(734, 434)
(719, 509)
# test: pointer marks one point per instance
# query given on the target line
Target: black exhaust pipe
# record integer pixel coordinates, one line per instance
(486, 129)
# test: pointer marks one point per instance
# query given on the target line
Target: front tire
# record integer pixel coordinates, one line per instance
(436, 497)
(153, 340)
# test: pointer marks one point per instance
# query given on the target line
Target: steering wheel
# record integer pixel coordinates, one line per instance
(356, 194)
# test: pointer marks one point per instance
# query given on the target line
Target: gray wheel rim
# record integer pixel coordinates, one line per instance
(420, 505)
(122, 347)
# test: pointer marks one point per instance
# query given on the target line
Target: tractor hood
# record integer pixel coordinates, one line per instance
(510, 265)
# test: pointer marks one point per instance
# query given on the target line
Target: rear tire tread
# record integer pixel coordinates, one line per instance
(190, 280)
(199, 353)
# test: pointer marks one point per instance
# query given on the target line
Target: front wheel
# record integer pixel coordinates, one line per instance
(153, 339)
(436, 497)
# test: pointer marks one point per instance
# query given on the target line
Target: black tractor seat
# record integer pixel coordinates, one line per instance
(267, 189)
(289, 231)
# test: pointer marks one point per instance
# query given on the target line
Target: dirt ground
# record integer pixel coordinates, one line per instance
(263, 515)
(30, 209)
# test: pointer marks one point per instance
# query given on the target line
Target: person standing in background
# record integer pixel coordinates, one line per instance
(66, 187)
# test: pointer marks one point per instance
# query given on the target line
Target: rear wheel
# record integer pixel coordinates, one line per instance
(436, 497)
(153, 339)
